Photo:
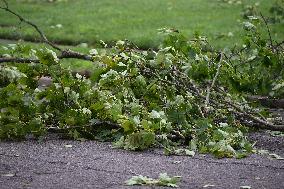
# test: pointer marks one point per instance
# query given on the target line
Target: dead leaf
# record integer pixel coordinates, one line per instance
(276, 156)
(245, 187)
(208, 185)
(8, 175)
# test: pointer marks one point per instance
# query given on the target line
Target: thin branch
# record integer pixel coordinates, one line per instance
(109, 124)
(22, 19)
(214, 80)
(262, 124)
(18, 60)
(66, 53)
(278, 45)
(6, 4)
(73, 54)
(268, 29)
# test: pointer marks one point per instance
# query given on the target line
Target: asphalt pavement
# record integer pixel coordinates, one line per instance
(57, 163)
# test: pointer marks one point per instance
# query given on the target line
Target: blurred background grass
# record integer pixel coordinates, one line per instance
(71, 22)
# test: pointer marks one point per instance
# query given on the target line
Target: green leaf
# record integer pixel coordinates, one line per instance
(47, 56)
(163, 180)
(189, 153)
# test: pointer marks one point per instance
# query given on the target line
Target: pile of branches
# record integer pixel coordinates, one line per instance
(184, 92)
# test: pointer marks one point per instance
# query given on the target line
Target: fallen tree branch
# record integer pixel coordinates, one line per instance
(180, 80)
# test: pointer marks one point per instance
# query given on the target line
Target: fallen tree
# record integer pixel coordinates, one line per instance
(185, 92)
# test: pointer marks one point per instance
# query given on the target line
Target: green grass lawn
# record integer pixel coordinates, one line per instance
(137, 20)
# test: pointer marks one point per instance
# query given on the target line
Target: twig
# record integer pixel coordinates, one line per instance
(73, 54)
(65, 53)
(262, 124)
(214, 80)
(278, 45)
(6, 4)
(22, 19)
(18, 60)
(268, 29)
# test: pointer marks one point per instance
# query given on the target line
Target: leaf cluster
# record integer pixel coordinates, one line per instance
(163, 180)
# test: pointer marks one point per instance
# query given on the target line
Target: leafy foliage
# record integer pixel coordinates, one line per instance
(258, 67)
(186, 93)
(136, 141)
